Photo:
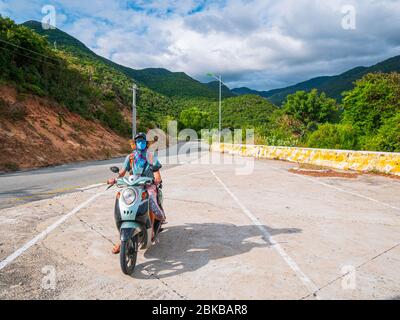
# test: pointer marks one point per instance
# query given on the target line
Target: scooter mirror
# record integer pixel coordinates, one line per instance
(114, 169)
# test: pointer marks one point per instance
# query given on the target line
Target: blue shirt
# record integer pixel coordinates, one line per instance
(141, 163)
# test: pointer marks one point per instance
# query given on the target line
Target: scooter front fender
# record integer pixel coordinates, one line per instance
(129, 229)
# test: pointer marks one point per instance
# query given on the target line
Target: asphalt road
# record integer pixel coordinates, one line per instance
(270, 234)
(27, 186)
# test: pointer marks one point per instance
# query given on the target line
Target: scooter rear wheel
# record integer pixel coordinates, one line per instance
(128, 255)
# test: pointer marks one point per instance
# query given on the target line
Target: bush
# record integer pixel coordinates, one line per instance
(32, 88)
(334, 136)
(279, 141)
(11, 166)
(388, 137)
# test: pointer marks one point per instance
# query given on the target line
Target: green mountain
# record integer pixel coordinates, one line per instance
(244, 90)
(171, 84)
(333, 86)
(58, 38)
(165, 82)
(226, 92)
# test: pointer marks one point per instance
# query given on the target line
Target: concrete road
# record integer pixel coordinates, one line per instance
(270, 234)
(33, 185)
(27, 186)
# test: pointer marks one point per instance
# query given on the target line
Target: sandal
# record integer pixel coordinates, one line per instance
(116, 249)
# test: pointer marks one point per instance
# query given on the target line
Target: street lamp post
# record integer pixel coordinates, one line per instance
(219, 79)
(134, 116)
(220, 110)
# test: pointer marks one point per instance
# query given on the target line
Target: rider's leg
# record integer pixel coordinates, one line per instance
(154, 206)
(118, 221)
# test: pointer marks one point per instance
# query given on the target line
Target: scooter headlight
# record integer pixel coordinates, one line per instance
(129, 196)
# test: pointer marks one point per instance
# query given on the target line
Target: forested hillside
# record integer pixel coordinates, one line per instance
(333, 86)
(81, 98)
(249, 111)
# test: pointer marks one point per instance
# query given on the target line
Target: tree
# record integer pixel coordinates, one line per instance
(195, 119)
(375, 98)
(311, 109)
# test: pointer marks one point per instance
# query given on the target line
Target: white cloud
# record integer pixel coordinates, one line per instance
(3, 8)
(258, 43)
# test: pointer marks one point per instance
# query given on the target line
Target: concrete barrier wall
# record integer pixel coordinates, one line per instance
(382, 162)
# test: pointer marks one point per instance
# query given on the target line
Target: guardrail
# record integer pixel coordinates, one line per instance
(365, 161)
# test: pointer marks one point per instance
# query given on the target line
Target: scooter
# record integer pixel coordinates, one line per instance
(138, 225)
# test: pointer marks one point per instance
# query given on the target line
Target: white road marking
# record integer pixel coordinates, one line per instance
(289, 261)
(197, 173)
(44, 233)
(346, 191)
(92, 186)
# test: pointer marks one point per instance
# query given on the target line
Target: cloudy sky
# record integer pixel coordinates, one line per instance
(262, 44)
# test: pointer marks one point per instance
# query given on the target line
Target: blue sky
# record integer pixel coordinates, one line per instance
(262, 44)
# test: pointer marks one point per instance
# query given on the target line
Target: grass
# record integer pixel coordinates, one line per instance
(11, 166)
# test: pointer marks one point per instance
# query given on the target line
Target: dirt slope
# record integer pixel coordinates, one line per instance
(36, 132)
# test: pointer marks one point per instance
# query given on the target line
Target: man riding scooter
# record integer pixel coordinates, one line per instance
(142, 163)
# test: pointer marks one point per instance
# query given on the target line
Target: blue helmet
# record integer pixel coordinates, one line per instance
(141, 135)
(141, 141)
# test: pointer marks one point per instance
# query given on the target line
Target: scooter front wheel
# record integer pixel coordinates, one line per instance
(128, 255)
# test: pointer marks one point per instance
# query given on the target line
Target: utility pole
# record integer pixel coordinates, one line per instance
(134, 90)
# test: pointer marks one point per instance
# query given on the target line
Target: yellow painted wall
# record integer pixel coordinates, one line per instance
(339, 159)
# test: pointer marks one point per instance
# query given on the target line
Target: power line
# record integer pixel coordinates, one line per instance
(26, 56)
(31, 51)
(58, 60)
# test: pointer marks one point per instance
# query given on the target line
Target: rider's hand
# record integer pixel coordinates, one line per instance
(157, 178)
(111, 181)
